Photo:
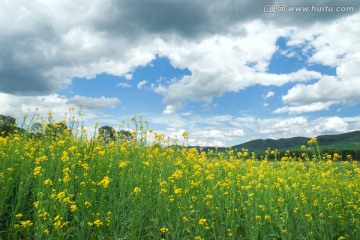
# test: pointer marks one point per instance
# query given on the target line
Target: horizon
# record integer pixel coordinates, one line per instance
(226, 72)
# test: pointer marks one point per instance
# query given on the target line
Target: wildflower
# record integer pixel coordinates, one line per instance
(98, 223)
(25, 224)
(104, 182)
(37, 171)
(308, 217)
(73, 208)
(19, 215)
(65, 157)
(122, 164)
(164, 230)
(177, 191)
(137, 190)
(60, 195)
(72, 149)
(312, 141)
(101, 153)
(185, 219)
(208, 197)
(185, 134)
(48, 182)
(202, 221)
(87, 204)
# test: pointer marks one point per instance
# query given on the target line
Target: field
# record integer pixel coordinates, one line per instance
(75, 188)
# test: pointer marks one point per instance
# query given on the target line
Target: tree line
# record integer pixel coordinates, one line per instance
(9, 126)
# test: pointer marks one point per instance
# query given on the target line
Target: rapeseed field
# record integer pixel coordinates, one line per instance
(68, 187)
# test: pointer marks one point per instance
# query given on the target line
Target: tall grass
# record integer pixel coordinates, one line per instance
(74, 188)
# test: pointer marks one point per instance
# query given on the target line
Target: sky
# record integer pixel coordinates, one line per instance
(225, 71)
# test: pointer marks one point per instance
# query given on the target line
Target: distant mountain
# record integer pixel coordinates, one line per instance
(348, 141)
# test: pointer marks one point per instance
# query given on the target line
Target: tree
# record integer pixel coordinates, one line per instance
(7, 124)
(107, 133)
(56, 129)
(125, 135)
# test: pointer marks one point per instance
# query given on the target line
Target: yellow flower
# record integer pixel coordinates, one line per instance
(19, 215)
(48, 182)
(312, 141)
(72, 149)
(36, 204)
(87, 204)
(185, 134)
(185, 219)
(26, 223)
(122, 164)
(98, 223)
(73, 208)
(37, 171)
(177, 191)
(208, 197)
(137, 190)
(164, 230)
(202, 221)
(104, 182)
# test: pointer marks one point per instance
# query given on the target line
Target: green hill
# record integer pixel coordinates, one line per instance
(345, 141)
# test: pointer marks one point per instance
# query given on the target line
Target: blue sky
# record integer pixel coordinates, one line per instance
(225, 72)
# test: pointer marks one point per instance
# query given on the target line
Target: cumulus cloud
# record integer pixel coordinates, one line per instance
(313, 107)
(124, 85)
(93, 103)
(169, 109)
(20, 106)
(141, 84)
(40, 106)
(53, 42)
(332, 125)
(269, 94)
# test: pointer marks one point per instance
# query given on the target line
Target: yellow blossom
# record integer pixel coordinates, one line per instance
(202, 221)
(104, 182)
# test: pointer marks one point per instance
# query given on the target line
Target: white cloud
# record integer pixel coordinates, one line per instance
(332, 125)
(94, 103)
(313, 107)
(343, 53)
(21, 106)
(326, 89)
(124, 85)
(141, 84)
(269, 94)
(169, 109)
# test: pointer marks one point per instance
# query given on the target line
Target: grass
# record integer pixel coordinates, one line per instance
(74, 188)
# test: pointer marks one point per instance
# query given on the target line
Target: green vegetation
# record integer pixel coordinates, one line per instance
(68, 187)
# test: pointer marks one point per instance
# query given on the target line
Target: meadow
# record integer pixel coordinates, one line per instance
(68, 187)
